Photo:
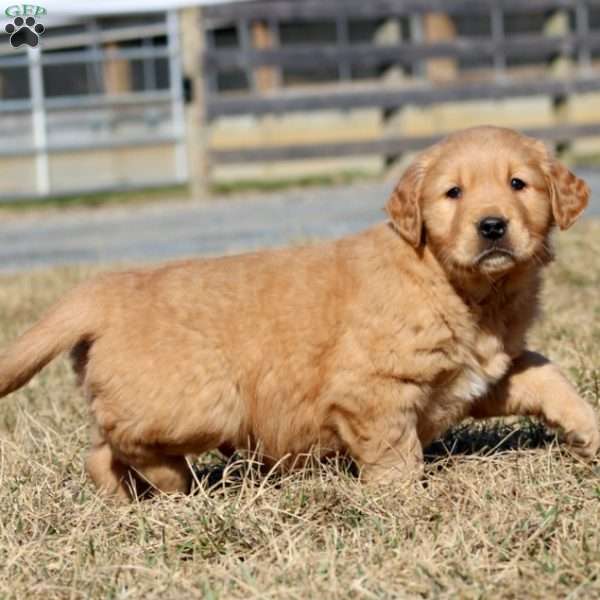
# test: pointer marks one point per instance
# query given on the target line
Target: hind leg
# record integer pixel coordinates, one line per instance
(113, 477)
(124, 479)
(109, 475)
(166, 474)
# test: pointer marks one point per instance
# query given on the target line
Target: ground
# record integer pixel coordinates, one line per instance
(504, 510)
(152, 228)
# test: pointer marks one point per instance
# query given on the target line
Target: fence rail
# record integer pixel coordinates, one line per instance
(387, 146)
(523, 46)
(96, 36)
(316, 10)
(395, 98)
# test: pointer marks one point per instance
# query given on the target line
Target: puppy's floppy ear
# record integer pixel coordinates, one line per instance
(404, 205)
(568, 193)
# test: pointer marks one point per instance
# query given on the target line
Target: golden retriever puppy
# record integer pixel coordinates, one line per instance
(372, 345)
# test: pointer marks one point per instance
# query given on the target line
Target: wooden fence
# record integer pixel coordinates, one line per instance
(510, 61)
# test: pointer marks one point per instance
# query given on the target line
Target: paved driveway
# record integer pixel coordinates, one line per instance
(152, 233)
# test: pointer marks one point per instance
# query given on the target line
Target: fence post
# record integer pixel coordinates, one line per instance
(177, 104)
(439, 27)
(264, 36)
(193, 43)
(39, 123)
(582, 26)
(117, 71)
(498, 37)
(416, 36)
(558, 25)
(342, 34)
(390, 33)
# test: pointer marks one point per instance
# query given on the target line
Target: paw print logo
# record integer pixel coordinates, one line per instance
(24, 31)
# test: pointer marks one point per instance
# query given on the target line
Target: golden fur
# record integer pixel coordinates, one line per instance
(370, 345)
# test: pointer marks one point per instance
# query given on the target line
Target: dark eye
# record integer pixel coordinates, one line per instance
(517, 184)
(454, 193)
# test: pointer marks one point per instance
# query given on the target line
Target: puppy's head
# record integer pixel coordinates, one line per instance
(485, 200)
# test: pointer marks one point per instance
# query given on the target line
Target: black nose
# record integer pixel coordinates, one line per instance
(492, 228)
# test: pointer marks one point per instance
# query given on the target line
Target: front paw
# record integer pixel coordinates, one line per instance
(585, 439)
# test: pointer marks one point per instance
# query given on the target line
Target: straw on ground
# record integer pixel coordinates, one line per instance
(504, 511)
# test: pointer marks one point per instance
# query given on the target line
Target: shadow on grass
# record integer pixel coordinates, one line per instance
(487, 439)
(469, 439)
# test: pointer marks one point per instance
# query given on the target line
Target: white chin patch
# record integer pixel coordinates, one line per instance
(496, 260)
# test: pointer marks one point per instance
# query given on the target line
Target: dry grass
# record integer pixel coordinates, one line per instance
(504, 512)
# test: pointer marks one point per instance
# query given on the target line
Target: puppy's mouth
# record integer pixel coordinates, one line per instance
(495, 258)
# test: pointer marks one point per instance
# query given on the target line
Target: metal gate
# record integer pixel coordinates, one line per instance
(97, 105)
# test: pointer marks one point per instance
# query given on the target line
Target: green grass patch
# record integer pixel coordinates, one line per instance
(178, 192)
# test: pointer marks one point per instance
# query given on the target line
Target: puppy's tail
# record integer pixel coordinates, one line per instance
(71, 320)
